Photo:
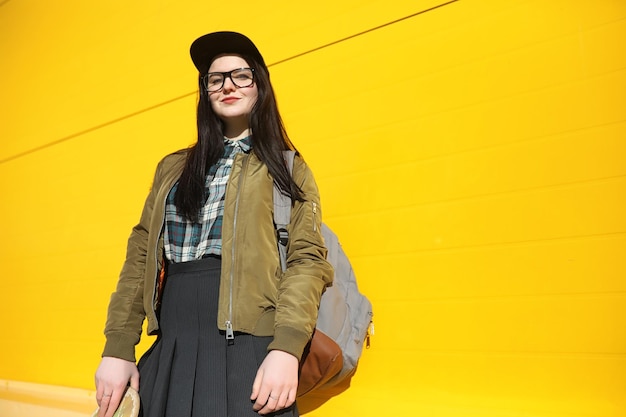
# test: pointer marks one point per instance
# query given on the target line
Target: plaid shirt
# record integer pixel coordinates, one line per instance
(188, 241)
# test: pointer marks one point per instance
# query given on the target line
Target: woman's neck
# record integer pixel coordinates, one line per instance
(236, 132)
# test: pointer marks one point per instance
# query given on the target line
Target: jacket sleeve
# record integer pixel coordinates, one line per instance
(126, 312)
(307, 274)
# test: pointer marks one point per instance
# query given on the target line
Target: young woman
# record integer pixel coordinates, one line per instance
(203, 267)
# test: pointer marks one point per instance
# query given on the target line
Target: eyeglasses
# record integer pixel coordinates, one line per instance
(241, 77)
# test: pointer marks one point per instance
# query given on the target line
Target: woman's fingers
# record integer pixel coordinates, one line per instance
(276, 382)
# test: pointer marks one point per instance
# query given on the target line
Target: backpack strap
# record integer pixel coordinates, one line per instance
(282, 213)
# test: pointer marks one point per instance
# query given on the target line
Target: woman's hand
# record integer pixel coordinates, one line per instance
(112, 378)
(276, 382)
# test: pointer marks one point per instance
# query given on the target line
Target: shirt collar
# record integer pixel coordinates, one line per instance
(244, 145)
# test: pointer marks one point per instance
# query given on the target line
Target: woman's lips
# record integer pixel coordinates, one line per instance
(229, 100)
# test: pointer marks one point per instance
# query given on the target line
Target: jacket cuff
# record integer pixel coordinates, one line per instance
(289, 340)
(120, 346)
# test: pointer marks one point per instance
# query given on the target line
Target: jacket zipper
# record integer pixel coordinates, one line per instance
(314, 216)
(230, 334)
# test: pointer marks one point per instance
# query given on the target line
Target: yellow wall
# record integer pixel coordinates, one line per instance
(472, 158)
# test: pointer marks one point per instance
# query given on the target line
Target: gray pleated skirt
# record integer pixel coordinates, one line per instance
(191, 371)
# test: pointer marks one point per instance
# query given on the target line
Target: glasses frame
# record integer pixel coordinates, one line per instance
(226, 74)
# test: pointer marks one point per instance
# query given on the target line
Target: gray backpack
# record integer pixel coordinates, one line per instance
(345, 315)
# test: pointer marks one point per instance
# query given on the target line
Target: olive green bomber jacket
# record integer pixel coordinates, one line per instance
(255, 296)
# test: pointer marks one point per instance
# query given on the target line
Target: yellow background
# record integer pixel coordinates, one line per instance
(471, 157)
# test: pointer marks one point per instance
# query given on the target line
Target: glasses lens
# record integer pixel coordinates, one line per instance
(243, 77)
(214, 82)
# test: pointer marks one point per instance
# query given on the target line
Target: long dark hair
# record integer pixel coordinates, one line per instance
(269, 140)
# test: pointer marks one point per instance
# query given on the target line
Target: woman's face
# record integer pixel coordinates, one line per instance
(232, 104)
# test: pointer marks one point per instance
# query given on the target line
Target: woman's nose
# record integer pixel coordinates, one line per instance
(229, 85)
